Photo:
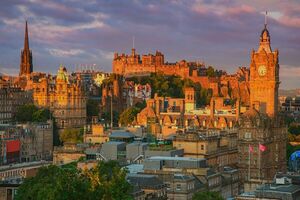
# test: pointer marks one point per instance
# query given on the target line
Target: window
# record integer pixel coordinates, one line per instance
(202, 147)
(247, 135)
(168, 186)
(178, 187)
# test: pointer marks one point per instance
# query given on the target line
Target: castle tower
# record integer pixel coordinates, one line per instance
(264, 75)
(26, 56)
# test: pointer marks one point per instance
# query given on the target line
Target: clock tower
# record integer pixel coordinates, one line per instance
(264, 76)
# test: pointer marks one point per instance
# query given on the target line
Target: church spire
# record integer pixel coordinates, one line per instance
(26, 56)
(26, 40)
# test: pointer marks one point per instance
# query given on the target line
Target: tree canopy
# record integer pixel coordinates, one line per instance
(128, 116)
(173, 86)
(211, 72)
(31, 113)
(207, 195)
(92, 108)
(105, 181)
(294, 129)
(71, 135)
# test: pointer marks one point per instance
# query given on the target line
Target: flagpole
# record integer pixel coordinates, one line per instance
(249, 163)
(259, 158)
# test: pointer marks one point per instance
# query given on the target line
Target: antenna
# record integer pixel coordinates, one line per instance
(266, 18)
(133, 42)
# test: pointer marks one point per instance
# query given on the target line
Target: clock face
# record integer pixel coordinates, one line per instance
(262, 70)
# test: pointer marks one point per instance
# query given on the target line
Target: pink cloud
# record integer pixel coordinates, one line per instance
(289, 21)
(239, 10)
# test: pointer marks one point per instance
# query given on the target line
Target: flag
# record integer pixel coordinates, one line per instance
(250, 148)
(262, 147)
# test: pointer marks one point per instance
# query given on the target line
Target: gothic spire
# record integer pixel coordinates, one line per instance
(26, 40)
(26, 56)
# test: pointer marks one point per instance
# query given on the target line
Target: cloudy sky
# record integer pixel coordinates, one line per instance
(219, 32)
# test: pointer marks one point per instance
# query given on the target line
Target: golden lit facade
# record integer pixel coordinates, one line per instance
(261, 125)
(64, 96)
(264, 76)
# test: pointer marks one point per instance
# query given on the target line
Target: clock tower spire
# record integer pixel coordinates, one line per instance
(264, 75)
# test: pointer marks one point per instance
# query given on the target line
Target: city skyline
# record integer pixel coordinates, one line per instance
(88, 33)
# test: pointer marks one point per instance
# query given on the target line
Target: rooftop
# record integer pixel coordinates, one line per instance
(24, 165)
(121, 134)
(113, 143)
(284, 188)
(175, 158)
(145, 181)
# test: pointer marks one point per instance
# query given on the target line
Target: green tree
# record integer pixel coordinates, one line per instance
(105, 181)
(53, 183)
(25, 113)
(92, 108)
(31, 113)
(128, 115)
(211, 72)
(108, 181)
(41, 115)
(207, 195)
(71, 135)
(140, 105)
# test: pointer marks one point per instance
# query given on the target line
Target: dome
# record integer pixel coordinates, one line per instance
(62, 74)
(295, 155)
(294, 161)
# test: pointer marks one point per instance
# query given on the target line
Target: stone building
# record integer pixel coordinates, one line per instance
(10, 145)
(186, 176)
(122, 94)
(95, 134)
(11, 98)
(68, 153)
(135, 64)
(112, 95)
(291, 105)
(65, 98)
(262, 134)
(235, 86)
(151, 185)
(26, 142)
(219, 148)
(259, 129)
(36, 141)
(173, 113)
